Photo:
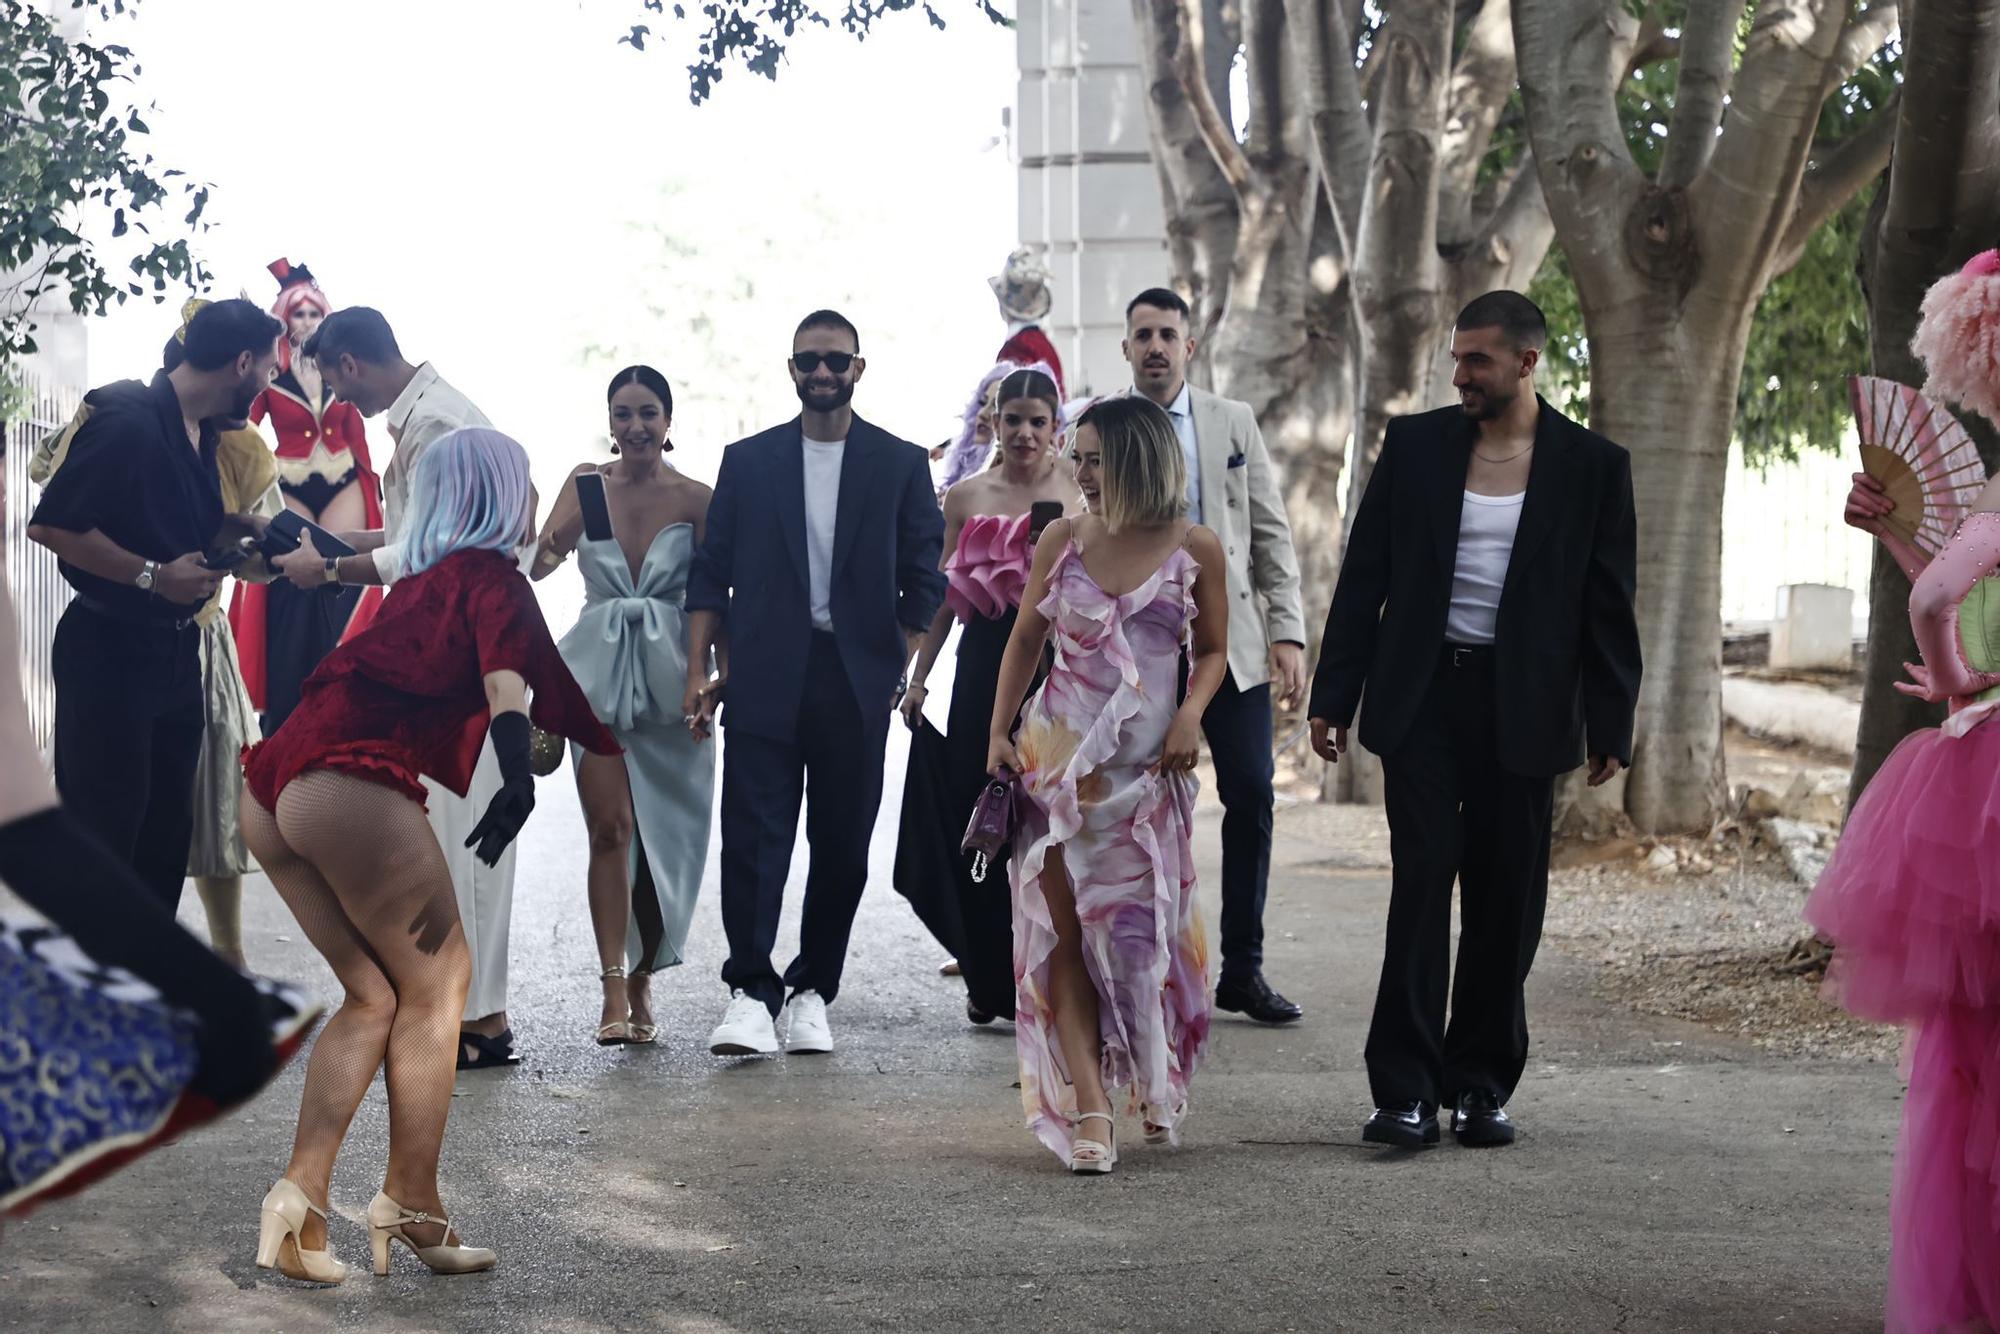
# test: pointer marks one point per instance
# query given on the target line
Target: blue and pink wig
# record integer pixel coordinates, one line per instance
(471, 491)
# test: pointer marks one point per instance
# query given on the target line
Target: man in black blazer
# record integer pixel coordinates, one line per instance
(1485, 601)
(821, 559)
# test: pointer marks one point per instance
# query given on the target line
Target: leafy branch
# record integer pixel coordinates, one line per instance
(755, 36)
(70, 153)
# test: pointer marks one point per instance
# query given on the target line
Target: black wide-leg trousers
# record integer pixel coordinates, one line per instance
(833, 764)
(1457, 815)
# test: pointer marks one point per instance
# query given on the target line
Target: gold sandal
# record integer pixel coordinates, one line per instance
(617, 1033)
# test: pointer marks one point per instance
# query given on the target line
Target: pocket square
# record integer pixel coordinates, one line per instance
(1236, 460)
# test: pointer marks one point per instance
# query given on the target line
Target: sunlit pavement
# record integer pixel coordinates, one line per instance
(1665, 1178)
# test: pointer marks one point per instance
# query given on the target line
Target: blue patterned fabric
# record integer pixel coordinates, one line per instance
(90, 1059)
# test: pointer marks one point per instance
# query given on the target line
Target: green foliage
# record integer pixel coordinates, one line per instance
(70, 153)
(1811, 327)
(755, 34)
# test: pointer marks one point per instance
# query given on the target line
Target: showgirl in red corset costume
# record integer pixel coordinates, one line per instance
(282, 631)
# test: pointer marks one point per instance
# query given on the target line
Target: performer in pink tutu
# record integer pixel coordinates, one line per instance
(1911, 898)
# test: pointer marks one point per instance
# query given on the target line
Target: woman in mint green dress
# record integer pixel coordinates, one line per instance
(647, 810)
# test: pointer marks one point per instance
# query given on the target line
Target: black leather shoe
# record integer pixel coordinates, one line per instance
(1480, 1122)
(1404, 1125)
(1252, 996)
(977, 1015)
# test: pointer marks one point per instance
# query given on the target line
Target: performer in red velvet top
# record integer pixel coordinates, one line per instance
(1022, 289)
(333, 810)
(324, 471)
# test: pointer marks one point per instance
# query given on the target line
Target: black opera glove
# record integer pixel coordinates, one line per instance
(515, 800)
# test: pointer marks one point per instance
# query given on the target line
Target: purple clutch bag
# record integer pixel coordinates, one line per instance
(992, 824)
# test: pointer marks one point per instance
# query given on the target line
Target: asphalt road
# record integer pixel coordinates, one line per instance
(1666, 1178)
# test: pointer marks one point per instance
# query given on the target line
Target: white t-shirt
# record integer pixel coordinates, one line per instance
(823, 459)
(1486, 526)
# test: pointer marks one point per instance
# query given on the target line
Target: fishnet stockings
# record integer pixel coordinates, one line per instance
(361, 871)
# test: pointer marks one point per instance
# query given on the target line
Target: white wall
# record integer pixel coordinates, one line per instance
(1783, 527)
(1089, 194)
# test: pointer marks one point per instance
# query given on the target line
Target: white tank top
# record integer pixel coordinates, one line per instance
(1486, 526)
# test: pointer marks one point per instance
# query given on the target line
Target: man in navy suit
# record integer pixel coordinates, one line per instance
(821, 559)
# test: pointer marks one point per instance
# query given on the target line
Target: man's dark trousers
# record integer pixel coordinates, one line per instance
(834, 761)
(129, 720)
(1456, 814)
(1237, 726)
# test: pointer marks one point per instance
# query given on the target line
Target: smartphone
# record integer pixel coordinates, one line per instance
(287, 527)
(1040, 515)
(596, 510)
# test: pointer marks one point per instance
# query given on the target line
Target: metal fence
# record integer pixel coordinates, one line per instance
(39, 592)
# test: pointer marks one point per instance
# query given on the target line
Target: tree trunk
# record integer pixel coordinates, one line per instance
(1666, 390)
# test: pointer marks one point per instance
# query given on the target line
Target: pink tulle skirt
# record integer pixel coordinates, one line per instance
(1911, 900)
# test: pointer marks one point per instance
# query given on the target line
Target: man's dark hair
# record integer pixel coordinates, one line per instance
(829, 319)
(1159, 298)
(222, 331)
(357, 331)
(1519, 320)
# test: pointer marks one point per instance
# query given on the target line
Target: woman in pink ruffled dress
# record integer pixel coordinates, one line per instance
(1110, 955)
(1911, 898)
(987, 544)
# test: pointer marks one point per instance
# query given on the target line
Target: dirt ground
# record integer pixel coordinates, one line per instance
(1705, 930)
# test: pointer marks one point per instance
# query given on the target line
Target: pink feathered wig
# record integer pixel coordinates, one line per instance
(1958, 337)
(296, 287)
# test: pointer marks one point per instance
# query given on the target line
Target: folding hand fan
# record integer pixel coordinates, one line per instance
(1921, 455)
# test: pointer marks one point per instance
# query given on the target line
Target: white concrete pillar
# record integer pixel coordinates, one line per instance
(1089, 194)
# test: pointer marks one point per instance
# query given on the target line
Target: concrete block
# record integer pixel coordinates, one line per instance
(1105, 33)
(1813, 628)
(1031, 36)
(1059, 34)
(1031, 117)
(1031, 204)
(1116, 201)
(1111, 112)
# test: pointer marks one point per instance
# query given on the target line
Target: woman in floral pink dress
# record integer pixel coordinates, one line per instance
(1110, 955)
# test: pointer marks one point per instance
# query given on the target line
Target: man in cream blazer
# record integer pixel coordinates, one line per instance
(1233, 489)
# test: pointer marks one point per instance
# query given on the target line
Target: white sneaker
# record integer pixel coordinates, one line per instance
(808, 1031)
(746, 1028)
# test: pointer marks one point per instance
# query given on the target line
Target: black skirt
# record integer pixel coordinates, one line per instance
(973, 920)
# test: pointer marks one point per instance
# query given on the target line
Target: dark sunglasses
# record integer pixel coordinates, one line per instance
(837, 362)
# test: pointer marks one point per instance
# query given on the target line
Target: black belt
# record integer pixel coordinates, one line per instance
(113, 612)
(1465, 655)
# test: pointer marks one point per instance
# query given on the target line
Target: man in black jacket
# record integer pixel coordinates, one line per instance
(1485, 601)
(820, 559)
(131, 517)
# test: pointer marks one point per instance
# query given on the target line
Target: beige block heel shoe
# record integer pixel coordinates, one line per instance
(387, 1221)
(280, 1223)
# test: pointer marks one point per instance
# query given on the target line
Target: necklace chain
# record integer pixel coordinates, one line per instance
(1509, 459)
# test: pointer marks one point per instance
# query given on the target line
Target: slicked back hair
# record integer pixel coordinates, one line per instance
(356, 331)
(222, 331)
(1160, 298)
(1519, 320)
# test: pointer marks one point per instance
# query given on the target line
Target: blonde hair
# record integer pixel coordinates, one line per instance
(1143, 474)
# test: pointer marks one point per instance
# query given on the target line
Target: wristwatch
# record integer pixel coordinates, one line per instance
(147, 573)
(333, 569)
